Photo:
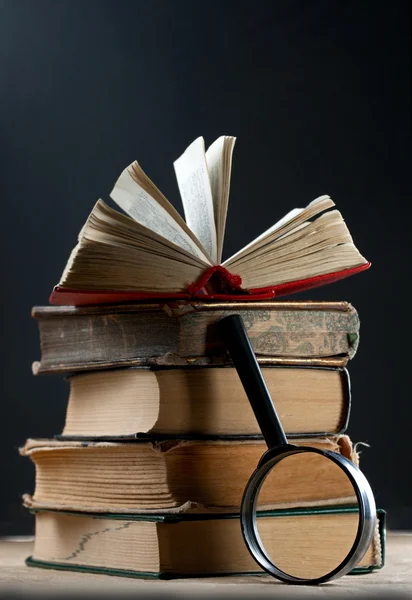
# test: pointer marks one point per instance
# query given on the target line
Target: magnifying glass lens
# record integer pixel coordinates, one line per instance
(307, 515)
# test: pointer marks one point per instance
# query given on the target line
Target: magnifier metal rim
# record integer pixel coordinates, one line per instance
(367, 515)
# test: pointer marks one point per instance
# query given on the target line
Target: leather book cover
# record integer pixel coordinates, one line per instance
(181, 333)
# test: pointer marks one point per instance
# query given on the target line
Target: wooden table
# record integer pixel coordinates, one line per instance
(395, 579)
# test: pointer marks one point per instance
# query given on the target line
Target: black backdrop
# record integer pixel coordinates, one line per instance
(318, 95)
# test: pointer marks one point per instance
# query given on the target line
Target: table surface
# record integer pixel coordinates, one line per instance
(394, 579)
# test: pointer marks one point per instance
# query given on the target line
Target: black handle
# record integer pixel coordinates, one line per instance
(237, 342)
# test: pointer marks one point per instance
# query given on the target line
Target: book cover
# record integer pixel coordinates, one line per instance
(182, 333)
(178, 546)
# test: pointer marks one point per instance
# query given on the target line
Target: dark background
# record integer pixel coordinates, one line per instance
(318, 95)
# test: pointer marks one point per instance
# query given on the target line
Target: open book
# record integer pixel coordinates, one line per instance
(154, 253)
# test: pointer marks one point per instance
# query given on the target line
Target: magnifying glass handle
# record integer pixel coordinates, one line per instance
(237, 342)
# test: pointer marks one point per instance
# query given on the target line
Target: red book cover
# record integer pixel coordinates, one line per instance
(197, 291)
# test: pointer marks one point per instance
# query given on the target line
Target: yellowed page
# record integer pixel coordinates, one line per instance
(142, 207)
(219, 164)
(291, 220)
(194, 186)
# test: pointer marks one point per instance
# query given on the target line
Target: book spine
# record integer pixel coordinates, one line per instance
(84, 341)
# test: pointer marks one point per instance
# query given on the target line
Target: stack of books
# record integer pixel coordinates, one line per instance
(159, 441)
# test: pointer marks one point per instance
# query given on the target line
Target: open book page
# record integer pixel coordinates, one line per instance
(305, 243)
(147, 184)
(99, 266)
(142, 207)
(312, 248)
(329, 259)
(194, 186)
(300, 244)
(301, 236)
(289, 222)
(120, 230)
(219, 164)
(117, 253)
(263, 237)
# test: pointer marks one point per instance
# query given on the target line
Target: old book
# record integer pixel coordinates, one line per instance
(180, 333)
(153, 252)
(203, 401)
(160, 546)
(176, 475)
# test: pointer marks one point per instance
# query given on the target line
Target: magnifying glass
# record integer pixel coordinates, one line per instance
(307, 515)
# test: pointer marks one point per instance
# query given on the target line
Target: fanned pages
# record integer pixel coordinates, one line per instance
(154, 253)
(152, 210)
(115, 248)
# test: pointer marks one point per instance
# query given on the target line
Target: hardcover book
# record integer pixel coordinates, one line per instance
(184, 333)
(178, 475)
(160, 546)
(203, 402)
(153, 253)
